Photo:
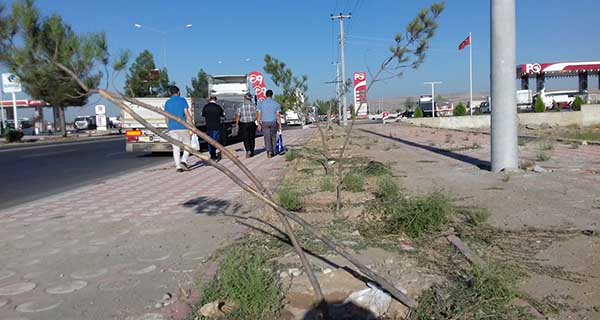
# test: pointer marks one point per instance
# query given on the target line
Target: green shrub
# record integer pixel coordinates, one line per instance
(539, 105)
(375, 168)
(246, 279)
(412, 216)
(546, 146)
(292, 154)
(576, 105)
(327, 184)
(459, 110)
(543, 156)
(387, 188)
(480, 294)
(479, 215)
(418, 113)
(12, 135)
(289, 199)
(353, 182)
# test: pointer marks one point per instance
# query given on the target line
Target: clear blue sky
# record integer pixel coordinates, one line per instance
(301, 34)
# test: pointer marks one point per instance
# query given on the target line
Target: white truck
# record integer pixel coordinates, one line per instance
(524, 101)
(140, 139)
(229, 90)
(293, 117)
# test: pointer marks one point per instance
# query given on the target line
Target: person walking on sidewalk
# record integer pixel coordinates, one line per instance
(213, 112)
(269, 121)
(178, 107)
(245, 121)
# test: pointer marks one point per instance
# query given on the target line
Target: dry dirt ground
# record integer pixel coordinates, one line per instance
(561, 195)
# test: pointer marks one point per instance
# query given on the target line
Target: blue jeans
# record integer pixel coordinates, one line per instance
(215, 135)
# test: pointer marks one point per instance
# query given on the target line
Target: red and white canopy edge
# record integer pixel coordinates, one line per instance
(23, 103)
(559, 69)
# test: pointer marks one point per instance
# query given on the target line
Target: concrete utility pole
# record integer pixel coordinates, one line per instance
(337, 89)
(432, 83)
(341, 17)
(503, 92)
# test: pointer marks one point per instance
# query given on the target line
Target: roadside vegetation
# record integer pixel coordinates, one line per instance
(460, 110)
(246, 286)
(418, 113)
(12, 135)
(381, 216)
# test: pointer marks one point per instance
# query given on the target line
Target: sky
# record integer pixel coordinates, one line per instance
(232, 37)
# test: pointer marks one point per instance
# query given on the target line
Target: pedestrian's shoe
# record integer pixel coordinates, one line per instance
(269, 155)
(248, 154)
(185, 166)
(179, 169)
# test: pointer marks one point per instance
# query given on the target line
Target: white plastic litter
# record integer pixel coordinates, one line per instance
(372, 299)
(195, 142)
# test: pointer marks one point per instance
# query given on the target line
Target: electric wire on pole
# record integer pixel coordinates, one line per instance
(342, 17)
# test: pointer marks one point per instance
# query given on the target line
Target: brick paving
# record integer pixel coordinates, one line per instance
(113, 249)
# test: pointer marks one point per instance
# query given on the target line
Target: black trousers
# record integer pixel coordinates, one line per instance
(248, 132)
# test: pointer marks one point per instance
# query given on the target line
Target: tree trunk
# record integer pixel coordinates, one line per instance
(63, 124)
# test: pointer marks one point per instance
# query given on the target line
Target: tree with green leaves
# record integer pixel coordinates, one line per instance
(576, 105)
(418, 113)
(539, 105)
(38, 49)
(408, 51)
(145, 80)
(199, 87)
(292, 86)
(325, 107)
(460, 110)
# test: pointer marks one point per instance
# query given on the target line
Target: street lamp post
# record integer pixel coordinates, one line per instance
(163, 35)
(432, 83)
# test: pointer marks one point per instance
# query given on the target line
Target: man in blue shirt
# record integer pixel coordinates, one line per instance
(178, 107)
(269, 121)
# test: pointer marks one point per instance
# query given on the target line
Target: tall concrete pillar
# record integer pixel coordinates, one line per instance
(505, 152)
(525, 82)
(540, 82)
(583, 82)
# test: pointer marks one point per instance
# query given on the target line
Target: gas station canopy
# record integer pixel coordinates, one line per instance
(23, 103)
(559, 69)
(541, 71)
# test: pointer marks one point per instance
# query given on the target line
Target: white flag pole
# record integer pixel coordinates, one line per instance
(471, 72)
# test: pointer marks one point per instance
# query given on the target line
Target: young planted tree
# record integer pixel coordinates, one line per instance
(460, 110)
(408, 51)
(418, 113)
(199, 87)
(25, 32)
(145, 80)
(539, 105)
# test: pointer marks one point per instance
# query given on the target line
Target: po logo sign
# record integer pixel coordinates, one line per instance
(254, 78)
(533, 68)
(360, 76)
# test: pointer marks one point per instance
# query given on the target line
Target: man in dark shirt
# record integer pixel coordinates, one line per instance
(213, 112)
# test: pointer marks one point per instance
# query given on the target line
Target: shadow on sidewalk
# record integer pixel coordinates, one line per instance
(481, 164)
(213, 206)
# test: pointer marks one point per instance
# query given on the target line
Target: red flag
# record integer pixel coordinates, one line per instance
(465, 43)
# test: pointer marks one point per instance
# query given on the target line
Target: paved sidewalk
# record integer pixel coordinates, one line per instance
(112, 250)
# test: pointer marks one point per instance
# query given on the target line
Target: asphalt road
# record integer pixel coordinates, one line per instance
(34, 172)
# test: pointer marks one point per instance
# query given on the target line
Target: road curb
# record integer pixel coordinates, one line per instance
(15, 146)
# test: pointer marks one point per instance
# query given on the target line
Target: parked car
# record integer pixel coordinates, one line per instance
(84, 123)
